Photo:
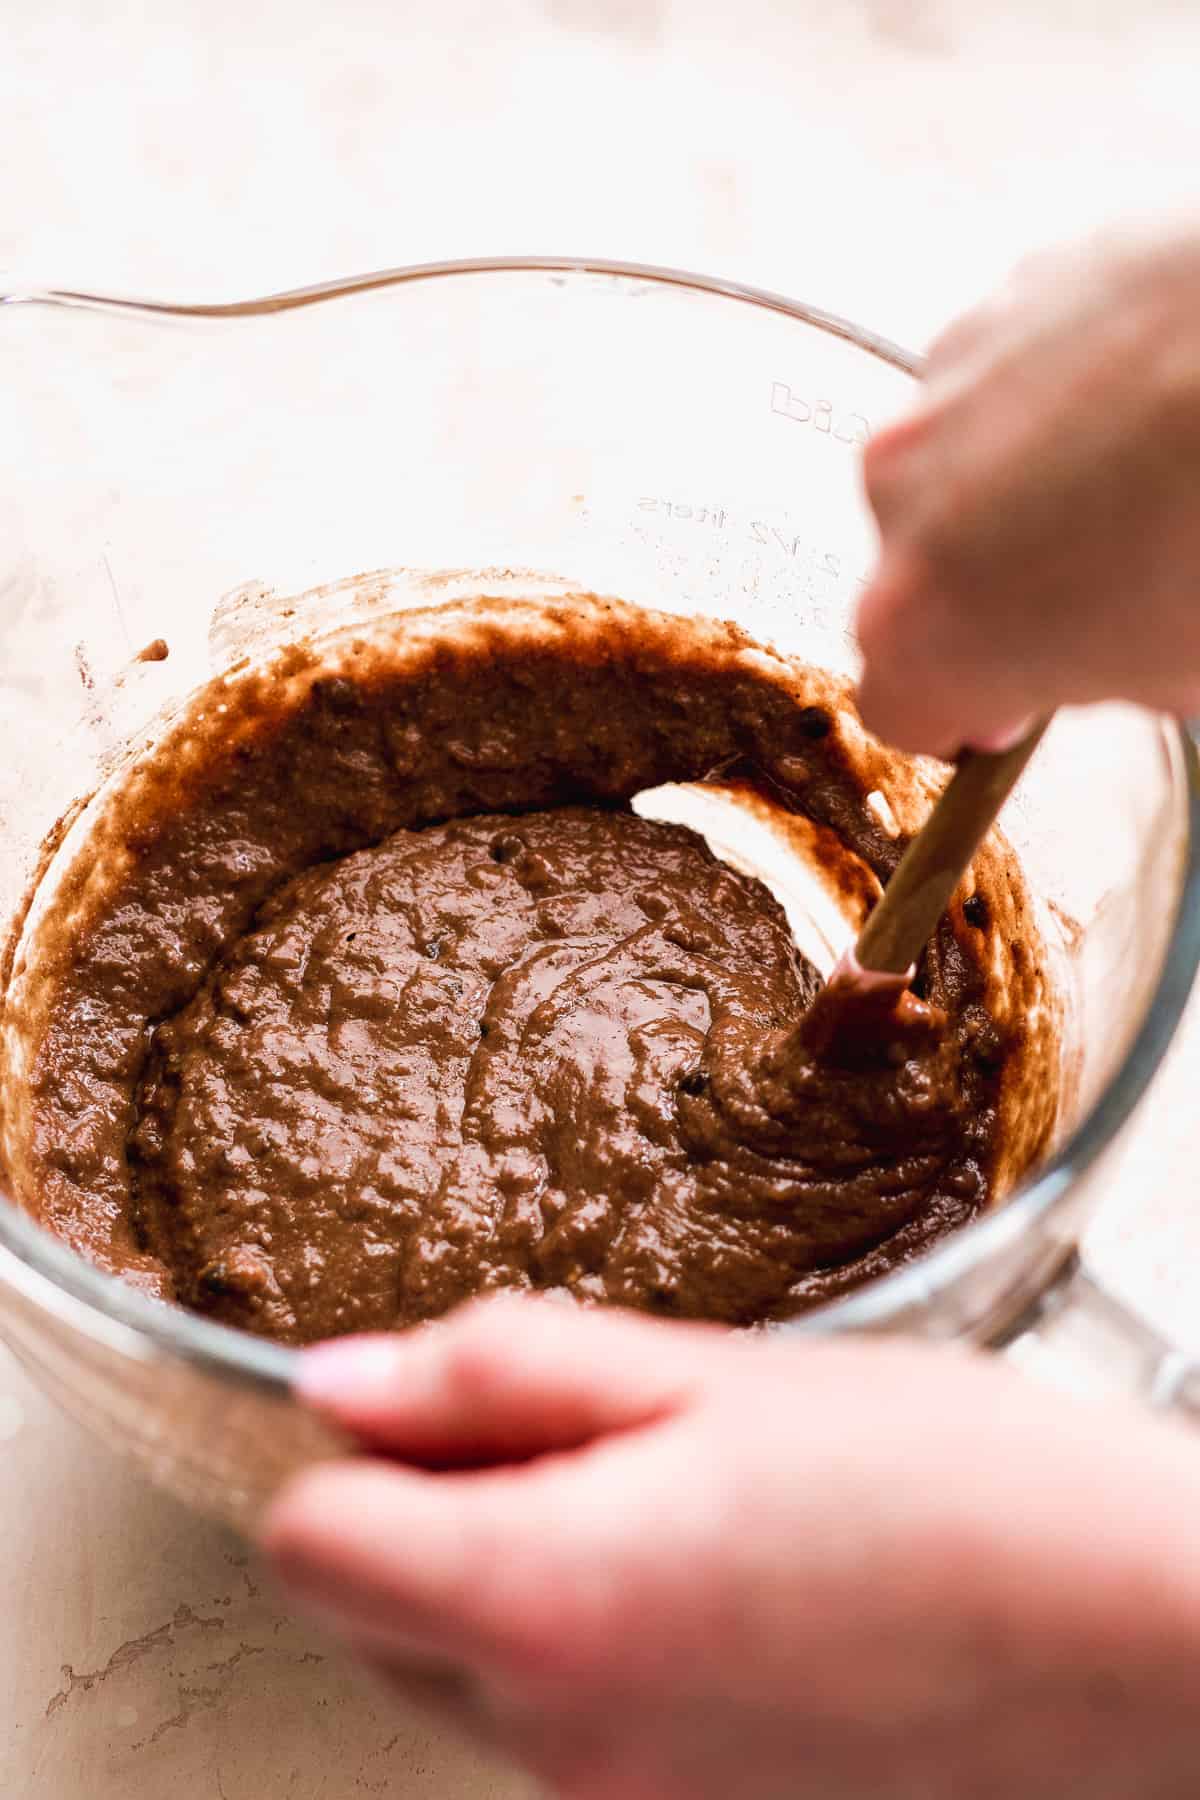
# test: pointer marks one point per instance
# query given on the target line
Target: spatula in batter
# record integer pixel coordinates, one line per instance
(869, 977)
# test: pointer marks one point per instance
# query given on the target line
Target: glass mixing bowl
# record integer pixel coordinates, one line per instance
(187, 473)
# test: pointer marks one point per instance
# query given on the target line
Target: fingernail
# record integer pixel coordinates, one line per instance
(998, 742)
(348, 1367)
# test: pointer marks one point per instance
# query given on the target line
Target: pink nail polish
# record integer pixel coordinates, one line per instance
(348, 1368)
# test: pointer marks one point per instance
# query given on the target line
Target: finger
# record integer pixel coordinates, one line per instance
(551, 1744)
(446, 1693)
(479, 1571)
(892, 464)
(346, 1615)
(930, 681)
(903, 695)
(452, 1698)
(961, 338)
(408, 1668)
(505, 1379)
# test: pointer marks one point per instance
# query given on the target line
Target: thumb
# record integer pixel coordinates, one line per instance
(505, 1379)
(931, 678)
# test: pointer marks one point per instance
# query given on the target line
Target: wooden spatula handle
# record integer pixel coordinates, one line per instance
(934, 863)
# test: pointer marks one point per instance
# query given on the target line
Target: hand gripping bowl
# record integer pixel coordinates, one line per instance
(219, 477)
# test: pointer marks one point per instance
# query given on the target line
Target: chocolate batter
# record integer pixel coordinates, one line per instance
(377, 995)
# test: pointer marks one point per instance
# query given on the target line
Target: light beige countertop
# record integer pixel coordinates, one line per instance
(886, 159)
